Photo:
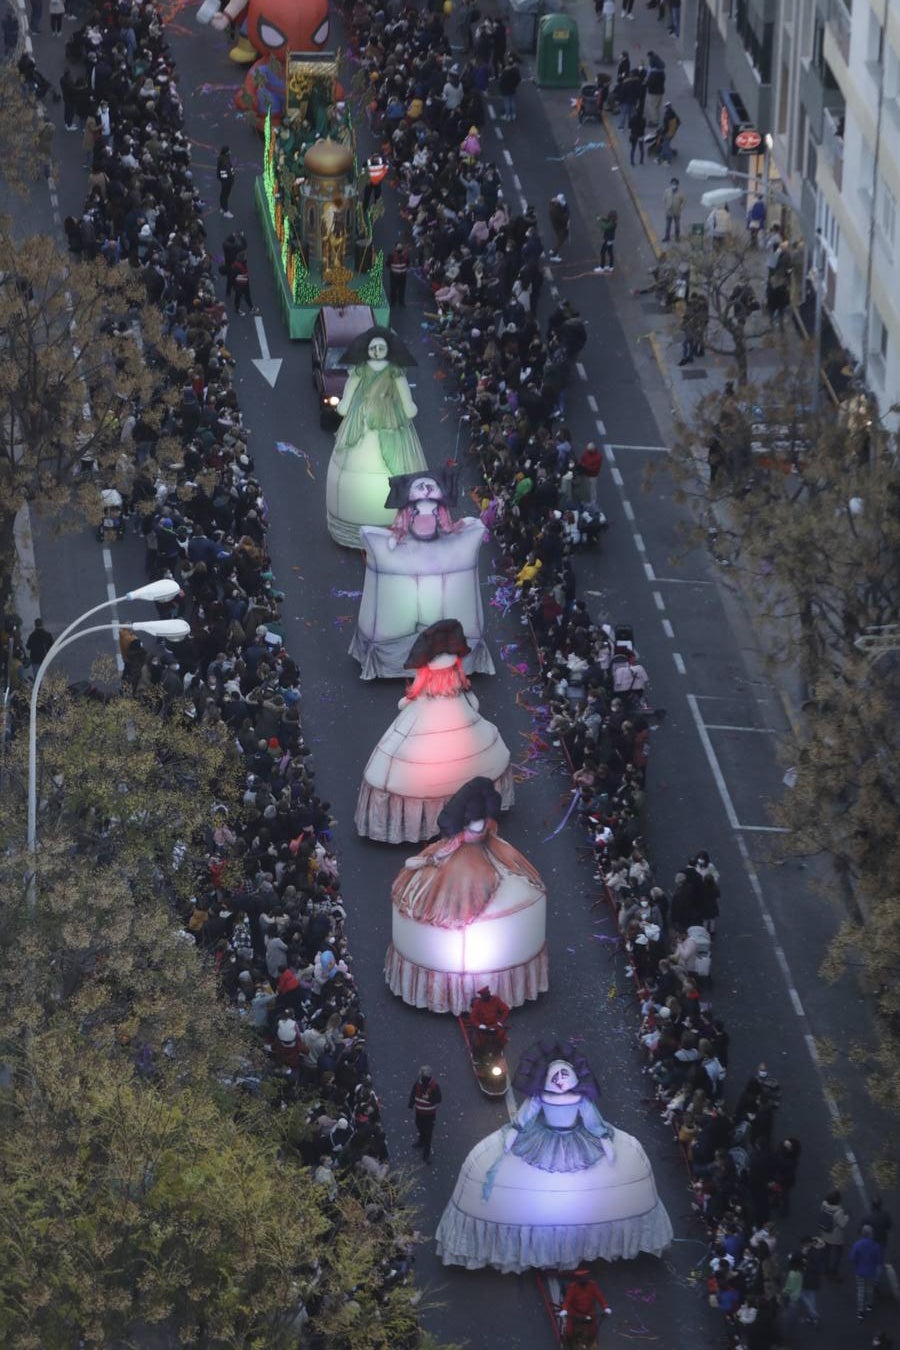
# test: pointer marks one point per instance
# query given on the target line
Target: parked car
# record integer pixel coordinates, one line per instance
(334, 330)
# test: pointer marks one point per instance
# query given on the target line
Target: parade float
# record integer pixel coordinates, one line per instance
(557, 1186)
(467, 911)
(376, 438)
(436, 743)
(316, 223)
(423, 568)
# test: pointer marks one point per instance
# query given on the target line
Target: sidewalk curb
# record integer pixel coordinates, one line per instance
(652, 237)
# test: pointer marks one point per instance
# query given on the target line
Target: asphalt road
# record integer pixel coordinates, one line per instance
(714, 763)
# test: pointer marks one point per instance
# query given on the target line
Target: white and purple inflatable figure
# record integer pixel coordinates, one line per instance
(556, 1187)
(423, 569)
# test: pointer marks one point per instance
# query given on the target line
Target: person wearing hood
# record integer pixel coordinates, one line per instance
(559, 214)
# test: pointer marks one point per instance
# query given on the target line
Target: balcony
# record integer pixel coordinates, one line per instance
(832, 150)
(839, 23)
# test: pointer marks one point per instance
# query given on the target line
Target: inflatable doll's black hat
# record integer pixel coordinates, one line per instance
(446, 479)
(444, 638)
(476, 800)
(397, 352)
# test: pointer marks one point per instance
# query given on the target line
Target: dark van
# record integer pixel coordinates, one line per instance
(334, 330)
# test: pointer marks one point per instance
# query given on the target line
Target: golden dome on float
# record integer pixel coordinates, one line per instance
(328, 159)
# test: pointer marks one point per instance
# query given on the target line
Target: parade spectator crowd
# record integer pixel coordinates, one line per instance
(483, 264)
(268, 909)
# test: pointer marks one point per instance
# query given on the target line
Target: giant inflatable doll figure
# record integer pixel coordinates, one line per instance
(424, 568)
(556, 1187)
(468, 910)
(436, 743)
(270, 29)
(375, 440)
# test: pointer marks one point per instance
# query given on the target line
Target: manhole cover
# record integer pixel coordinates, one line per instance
(695, 374)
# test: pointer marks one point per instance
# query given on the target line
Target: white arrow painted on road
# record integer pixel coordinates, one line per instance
(268, 366)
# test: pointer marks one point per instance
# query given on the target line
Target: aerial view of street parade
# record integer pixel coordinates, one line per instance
(451, 899)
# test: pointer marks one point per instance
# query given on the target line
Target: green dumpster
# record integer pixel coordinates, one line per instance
(558, 65)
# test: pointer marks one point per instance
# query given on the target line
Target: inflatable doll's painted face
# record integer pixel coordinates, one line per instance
(277, 27)
(424, 489)
(475, 830)
(561, 1077)
(378, 349)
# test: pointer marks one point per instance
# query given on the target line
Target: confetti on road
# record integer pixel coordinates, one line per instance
(345, 595)
(285, 448)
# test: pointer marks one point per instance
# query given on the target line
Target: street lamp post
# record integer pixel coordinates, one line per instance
(173, 629)
(712, 168)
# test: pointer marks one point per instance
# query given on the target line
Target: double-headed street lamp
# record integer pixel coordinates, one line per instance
(713, 168)
(174, 630)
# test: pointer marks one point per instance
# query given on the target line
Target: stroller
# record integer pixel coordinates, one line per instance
(591, 100)
(703, 959)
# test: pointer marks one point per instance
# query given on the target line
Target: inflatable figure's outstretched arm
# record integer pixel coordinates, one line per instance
(595, 1124)
(349, 390)
(230, 14)
(404, 394)
(526, 1112)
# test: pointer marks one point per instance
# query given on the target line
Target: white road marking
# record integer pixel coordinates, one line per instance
(492, 113)
(617, 477)
(639, 543)
(769, 922)
(601, 426)
(628, 509)
(713, 762)
(725, 726)
(516, 184)
(658, 601)
(592, 404)
(679, 663)
(652, 449)
(649, 572)
(508, 157)
(685, 581)
(498, 132)
(668, 629)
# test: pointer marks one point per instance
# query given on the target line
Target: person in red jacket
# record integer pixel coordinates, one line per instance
(488, 1010)
(582, 1297)
(589, 466)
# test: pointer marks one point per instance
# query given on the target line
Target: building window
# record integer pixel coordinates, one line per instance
(812, 161)
(800, 142)
(758, 49)
(784, 94)
(874, 42)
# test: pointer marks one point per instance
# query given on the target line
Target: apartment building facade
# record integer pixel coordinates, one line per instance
(822, 78)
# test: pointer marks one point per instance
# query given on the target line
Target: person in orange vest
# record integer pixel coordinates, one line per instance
(582, 1297)
(424, 1099)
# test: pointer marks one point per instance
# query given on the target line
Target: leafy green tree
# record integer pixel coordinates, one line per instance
(147, 1184)
(73, 366)
(731, 278)
(802, 509)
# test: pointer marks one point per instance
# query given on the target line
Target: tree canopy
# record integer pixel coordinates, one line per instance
(150, 1180)
(802, 507)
